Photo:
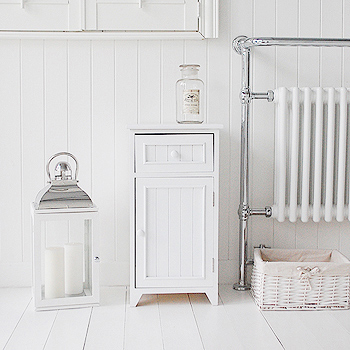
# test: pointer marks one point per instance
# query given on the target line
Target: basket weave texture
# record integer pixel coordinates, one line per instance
(305, 286)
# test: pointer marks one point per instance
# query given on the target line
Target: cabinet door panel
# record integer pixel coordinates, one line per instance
(174, 232)
(50, 15)
(164, 15)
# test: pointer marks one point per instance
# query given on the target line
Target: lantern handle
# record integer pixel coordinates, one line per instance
(62, 154)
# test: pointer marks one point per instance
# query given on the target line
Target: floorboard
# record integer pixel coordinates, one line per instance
(216, 329)
(142, 329)
(107, 324)
(247, 320)
(69, 329)
(32, 330)
(291, 331)
(332, 335)
(13, 303)
(178, 324)
(342, 317)
(167, 322)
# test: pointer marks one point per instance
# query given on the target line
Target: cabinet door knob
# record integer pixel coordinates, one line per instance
(175, 154)
(140, 233)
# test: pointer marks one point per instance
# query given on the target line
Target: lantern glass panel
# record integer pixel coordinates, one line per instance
(66, 258)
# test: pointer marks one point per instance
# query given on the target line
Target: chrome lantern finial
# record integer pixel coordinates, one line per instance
(63, 171)
(63, 191)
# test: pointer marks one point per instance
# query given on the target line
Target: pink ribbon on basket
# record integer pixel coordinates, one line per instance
(305, 273)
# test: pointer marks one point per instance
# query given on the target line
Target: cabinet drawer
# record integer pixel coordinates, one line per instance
(174, 153)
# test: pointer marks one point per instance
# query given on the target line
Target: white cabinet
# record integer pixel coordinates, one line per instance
(174, 216)
(112, 19)
(38, 15)
(162, 15)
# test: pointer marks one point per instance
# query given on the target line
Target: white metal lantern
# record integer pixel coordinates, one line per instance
(65, 242)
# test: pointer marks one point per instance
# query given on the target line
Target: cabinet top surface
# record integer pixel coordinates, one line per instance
(175, 127)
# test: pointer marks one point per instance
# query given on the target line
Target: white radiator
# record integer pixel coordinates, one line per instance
(311, 154)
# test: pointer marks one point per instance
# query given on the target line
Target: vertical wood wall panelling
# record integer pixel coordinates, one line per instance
(240, 25)
(218, 103)
(33, 157)
(308, 75)
(149, 83)
(286, 76)
(309, 57)
(45, 92)
(79, 120)
(262, 124)
(56, 116)
(56, 104)
(171, 58)
(196, 52)
(125, 114)
(10, 145)
(79, 109)
(345, 226)
(103, 152)
(331, 76)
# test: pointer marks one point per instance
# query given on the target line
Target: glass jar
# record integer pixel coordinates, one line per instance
(189, 96)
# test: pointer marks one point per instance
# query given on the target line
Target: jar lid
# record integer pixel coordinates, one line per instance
(189, 66)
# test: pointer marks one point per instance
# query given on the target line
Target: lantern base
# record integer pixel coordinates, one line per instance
(64, 256)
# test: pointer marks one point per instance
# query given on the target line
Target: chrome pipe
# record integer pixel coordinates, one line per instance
(243, 211)
(269, 95)
(267, 211)
(246, 43)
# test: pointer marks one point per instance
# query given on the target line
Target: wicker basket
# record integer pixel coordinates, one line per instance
(285, 279)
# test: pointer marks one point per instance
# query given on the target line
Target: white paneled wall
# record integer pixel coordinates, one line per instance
(294, 67)
(78, 96)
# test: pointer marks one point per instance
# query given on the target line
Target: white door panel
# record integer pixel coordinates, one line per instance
(174, 225)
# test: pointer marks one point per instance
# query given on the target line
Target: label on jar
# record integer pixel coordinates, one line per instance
(191, 101)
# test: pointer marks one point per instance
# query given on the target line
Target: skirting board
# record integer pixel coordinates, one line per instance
(16, 274)
(20, 274)
(114, 273)
(111, 273)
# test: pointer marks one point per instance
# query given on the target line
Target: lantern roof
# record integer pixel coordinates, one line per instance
(62, 192)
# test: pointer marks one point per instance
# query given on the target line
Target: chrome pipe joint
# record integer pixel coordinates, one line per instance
(244, 212)
(246, 96)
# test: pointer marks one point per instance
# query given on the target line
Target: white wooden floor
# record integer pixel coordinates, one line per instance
(171, 322)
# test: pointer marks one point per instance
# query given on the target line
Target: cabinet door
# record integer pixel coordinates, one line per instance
(174, 232)
(33, 15)
(142, 15)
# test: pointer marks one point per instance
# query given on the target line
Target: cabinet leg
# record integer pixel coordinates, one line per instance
(135, 297)
(213, 296)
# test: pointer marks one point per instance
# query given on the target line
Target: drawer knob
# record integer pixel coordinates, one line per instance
(175, 154)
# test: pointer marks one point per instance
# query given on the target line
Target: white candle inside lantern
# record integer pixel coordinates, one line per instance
(54, 272)
(73, 263)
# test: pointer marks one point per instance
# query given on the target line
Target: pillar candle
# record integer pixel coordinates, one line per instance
(54, 272)
(73, 264)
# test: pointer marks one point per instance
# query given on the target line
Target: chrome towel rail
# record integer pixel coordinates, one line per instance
(243, 45)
